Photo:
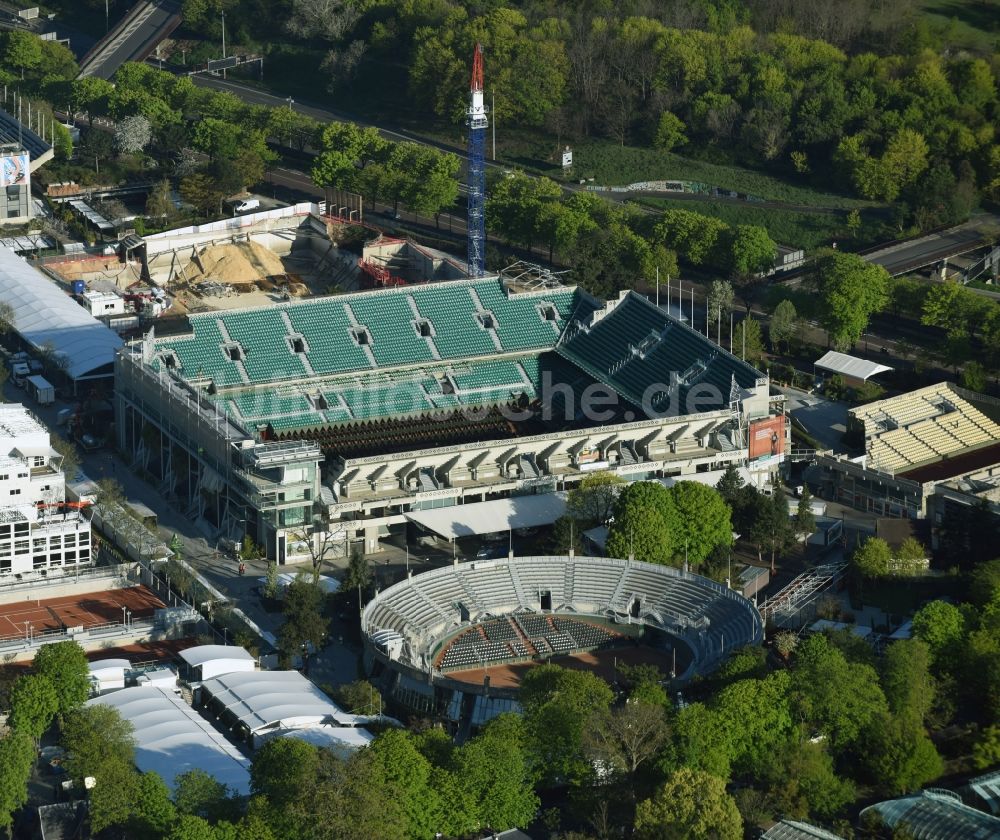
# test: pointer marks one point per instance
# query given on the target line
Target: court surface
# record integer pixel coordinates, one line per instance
(91, 609)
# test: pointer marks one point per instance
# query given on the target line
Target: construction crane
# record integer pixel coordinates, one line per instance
(477, 122)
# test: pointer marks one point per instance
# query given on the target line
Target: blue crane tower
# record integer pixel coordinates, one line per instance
(476, 219)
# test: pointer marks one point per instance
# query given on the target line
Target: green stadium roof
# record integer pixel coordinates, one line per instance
(651, 358)
(375, 330)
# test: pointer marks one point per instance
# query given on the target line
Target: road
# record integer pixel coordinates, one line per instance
(928, 250)
(132, 39)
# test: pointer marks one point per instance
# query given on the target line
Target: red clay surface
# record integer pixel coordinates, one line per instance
(601, 662)
(89, 610)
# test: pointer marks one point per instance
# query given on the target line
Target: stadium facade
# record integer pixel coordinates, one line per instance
(342, 414)
(432, 639)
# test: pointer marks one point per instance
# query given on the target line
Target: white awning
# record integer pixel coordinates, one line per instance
(46, 316)
(850, 365)
(490, 517)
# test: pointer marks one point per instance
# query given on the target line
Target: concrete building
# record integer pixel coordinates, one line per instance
(921, 450)
(342, 415)
(37, 535)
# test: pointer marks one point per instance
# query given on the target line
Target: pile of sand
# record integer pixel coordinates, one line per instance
(242, 263)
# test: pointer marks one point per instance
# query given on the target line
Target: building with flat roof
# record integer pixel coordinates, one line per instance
(347, 413)
(39, 536)
(937, 441)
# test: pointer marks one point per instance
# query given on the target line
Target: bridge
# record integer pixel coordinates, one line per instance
(912, 255)
(133, 38)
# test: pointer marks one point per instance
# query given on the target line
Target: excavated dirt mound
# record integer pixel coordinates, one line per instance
(242, 263)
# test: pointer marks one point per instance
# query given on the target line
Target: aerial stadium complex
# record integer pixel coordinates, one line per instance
(455, 642)
(349, 413)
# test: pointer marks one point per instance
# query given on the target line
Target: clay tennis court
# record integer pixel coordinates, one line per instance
(601, 662)
(88, 610)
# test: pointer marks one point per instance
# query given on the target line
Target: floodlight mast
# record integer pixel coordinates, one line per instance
(477, 122)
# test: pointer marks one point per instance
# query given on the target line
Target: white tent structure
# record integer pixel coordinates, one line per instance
(45, 316)
(850, 366)
(264, 701)
(207, 661)
(171, 738)
(327, 585)
(108, 674)
(342, 740)
(498, 515)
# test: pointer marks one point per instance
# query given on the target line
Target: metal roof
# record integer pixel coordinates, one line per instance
(987, 788)
(13, 132)
(795, 830)
(938, 815)
(44, 315)
(171, 738)
(850, 365)
(265, 699)
(200, 654)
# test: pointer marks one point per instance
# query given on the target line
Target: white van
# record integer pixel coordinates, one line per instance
(246, 206)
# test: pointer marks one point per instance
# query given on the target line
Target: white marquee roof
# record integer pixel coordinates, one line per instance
(200, 654)
(850, 365)
(490, 517)
(45, 315)
(343, 740)
(263, 699)
(171, 738)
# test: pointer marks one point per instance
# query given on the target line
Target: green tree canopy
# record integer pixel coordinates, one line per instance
(398, 761)
(592, 500)
(66, 666)
(899, 755)
(33, 704)
(906, 678)
(557, 703)
(701, 521)
(850, 291)
(690, 804)
(17, 754)
(872, 558)
(198, 793)
(784, 326)
(805, 521)
(643, 525)
(942, 626)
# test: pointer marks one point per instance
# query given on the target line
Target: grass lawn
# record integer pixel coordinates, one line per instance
(972, 24)
(796, 228)
(610, 164)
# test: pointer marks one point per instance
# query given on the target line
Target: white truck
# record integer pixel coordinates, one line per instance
(41, 389)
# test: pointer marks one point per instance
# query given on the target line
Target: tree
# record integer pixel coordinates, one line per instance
(802, 781)
(360, 698)
(785, 643)
(974, 377)
(692, 235)
(359, 573)
(201, 795)
(160, 203)
(701, 742)
(132, 134)
(748, 343)
(751, 252)
(431, 183)
(899, 755)
(22, 50)
(626, 737)
(493, 772)
(304, 623)
(942, 626)
(720, 303)
(153, 813)
(33, 704)
(398, 760)
(838, 697)
(984, 583)
(985, 751)
(17, 753)
(850, 291)
(784, 327)
(199, 190)
(557, 703)
(690, 804)
(756, 717)
(592, 501)
(70, 457)
(670, 132)
(65, 664)
(805, 521)
(770, 525)
(565, 534)
(643, 524)
(910, 558)
(701, 521)
(100, 744)
(873, 558)
(906, 678)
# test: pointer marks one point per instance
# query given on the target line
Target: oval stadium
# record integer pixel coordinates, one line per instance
(455, 642)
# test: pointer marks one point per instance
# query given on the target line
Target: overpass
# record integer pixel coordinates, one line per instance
(133, 38)
(912, 255)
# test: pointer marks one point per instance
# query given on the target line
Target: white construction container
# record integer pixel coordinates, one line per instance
(41, 389)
